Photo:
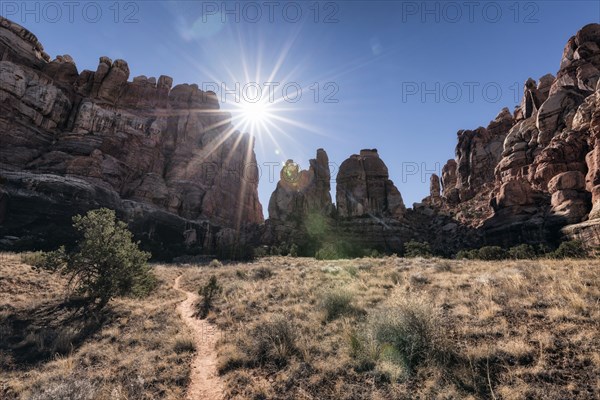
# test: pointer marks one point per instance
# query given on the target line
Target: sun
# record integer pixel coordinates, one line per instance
(255, 117)
(255, 113)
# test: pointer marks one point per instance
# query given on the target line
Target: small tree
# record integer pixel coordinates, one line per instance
(294, 250)
(106, 263)
(208, 293)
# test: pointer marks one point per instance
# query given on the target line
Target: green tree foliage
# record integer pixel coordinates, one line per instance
(570, 249)
(522, 252)
(417, 249)
(106, 262)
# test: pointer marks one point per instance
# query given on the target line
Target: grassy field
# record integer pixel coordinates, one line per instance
(296, 328)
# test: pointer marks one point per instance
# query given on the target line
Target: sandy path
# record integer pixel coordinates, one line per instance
(205, 383)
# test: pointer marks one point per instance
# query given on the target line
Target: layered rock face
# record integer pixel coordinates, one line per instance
(477, 154)
(167, 159)
(364, 188)
(543, 176)
(370, 209)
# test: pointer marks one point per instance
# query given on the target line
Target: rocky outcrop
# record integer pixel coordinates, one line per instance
(478, 153)
(301, 200)
(73, 141)
(19, 45)
(302, 192)
(534, 96)
(544, 176)
(533, 172)
(369, 214)
(580, 63)
(434, 190)
(364, 188)
(449, 190)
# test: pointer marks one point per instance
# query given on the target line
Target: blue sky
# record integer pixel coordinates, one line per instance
(399, 76)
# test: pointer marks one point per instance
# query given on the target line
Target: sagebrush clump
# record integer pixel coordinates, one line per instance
(272, 342)
(410, 333)
(336, 303)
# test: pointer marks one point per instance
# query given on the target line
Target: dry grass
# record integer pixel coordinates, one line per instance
(297, 328)
(138, 349)
(481, 330)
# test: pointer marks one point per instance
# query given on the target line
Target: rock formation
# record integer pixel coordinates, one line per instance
(301, 192)
(302, 198)
(167, 159)
(171, 164)
(364, 188)
(369, 214)
(543, 177)
(478, 152)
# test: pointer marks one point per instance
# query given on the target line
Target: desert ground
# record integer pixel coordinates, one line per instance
(298, 328)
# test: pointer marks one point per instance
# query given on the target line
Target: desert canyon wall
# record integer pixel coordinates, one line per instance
(166, 158)
(172, 165)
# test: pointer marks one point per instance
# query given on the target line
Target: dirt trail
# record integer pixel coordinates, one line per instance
(205, 383)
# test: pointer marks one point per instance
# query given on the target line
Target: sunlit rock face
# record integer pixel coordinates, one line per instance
(543, 177)
(73, 141)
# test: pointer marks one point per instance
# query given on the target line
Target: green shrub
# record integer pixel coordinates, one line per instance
(467, 254)
(260, 252)
(275, 251)
(337, 303)
(522, 252)
(570, 249)
(329, 251)
(215, 264)
(106, 263)
(417, 249)
(294, 250)
(374, 253)
(335, 250)
(543, 249)
(490, 253)
(208, 293)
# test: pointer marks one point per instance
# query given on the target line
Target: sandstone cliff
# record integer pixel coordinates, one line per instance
(369, 214)
(166, 158)
(536, 169)
(171, 164)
